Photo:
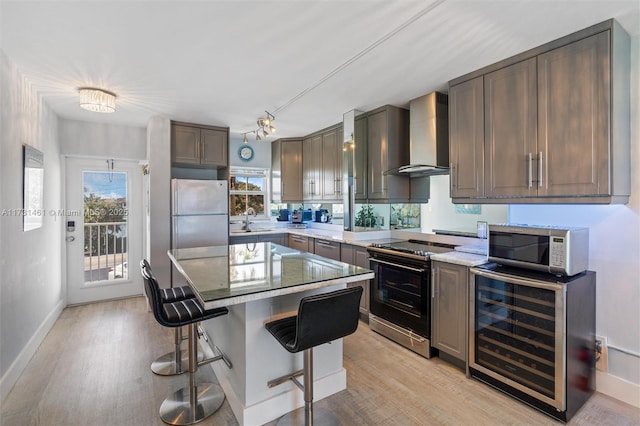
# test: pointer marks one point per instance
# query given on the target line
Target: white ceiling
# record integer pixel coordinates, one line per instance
(307, 62)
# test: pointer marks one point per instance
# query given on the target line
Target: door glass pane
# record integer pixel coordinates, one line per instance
(105, 226)
(515, 332)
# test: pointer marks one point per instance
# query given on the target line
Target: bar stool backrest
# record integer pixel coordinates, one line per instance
(152, 290)
(326, 317)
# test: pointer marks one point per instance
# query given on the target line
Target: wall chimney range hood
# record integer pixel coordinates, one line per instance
(429, 137)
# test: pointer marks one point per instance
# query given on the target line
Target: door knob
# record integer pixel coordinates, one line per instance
(70, 238)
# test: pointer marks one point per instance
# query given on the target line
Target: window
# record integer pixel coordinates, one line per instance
(249, 187)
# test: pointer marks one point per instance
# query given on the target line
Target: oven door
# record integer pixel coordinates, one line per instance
(399, 294)
(517, 333)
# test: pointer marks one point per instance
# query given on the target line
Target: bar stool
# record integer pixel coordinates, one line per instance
(321, 319)
(191, 404)
(176, 362)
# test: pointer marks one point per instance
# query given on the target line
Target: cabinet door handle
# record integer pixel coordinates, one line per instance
(540, 170)
(324, 244)
(452, 175)
(530, 172)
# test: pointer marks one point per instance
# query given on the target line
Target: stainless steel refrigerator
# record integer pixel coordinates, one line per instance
(199, 216)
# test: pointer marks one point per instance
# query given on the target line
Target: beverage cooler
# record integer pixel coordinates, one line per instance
(533, 336)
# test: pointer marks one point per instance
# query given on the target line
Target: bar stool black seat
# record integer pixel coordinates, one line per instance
(191, 404)
(321, 319)
(177, 361)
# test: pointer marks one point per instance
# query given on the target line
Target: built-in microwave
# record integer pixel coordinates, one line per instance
(557, 250)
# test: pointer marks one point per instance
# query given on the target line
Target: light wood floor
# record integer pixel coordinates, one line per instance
(93, 370)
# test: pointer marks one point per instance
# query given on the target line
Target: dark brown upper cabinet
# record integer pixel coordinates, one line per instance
(199, 146)
(550, 125)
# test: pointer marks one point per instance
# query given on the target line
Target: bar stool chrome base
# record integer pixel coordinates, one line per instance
(166, 364)
(321, 417)
(178, 409)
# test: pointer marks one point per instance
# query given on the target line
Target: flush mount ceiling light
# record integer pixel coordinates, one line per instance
(97, 100)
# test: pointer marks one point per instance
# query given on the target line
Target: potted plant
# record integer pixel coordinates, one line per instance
(366, 216)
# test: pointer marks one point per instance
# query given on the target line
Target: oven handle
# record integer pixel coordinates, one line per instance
(515, 279)
(397, 266)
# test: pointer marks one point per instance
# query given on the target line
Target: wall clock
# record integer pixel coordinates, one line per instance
(245, 153)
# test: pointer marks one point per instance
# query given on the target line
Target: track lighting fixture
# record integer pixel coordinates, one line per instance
(265, 128)
(244, 136)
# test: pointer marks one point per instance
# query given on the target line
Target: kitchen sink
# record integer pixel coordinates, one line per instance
(244, 231)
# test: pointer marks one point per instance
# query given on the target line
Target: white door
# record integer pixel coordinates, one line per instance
(103, 229)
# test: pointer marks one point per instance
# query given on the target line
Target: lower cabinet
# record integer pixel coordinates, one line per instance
(450, 294)
(328, 249)
(358, 256)
(299, 242)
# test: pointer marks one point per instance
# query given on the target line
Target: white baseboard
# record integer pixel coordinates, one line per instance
(20, 363)
(618, 388)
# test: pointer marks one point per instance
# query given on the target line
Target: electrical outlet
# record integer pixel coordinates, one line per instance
(602, 363)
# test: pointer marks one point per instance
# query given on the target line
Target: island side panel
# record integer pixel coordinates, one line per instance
(257, 358)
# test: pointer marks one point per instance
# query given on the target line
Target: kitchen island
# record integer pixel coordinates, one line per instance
(258, 283)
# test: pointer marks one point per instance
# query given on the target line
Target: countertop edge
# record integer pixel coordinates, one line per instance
(460, 258)
(282, 291)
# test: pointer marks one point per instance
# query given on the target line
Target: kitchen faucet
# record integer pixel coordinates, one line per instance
(249, 211)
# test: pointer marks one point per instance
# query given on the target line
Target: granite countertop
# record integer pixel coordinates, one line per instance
(460, 258)
(228, 275)
(335, 233)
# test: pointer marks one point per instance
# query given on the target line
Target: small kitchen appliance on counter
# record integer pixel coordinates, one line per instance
(553, 249)
(283, 215)
(300, 216)
(322, 215)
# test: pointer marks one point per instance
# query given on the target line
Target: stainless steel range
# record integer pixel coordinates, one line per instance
(400, 298)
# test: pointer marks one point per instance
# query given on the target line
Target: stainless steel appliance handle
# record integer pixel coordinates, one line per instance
(540, 170)
(530, 172)
(396, 265)
(515, 279)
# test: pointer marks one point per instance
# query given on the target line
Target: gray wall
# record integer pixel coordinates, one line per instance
(261, 149)
(31, 290)
(86, 139)
(159, 219)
